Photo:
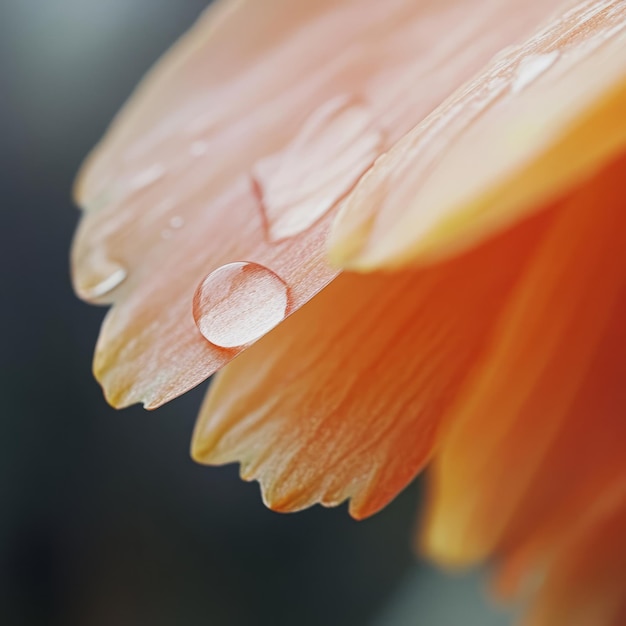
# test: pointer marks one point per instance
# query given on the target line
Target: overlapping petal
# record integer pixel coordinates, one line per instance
(538, 118)
(535, 441)
(227, 153)
(343, 400)
(523, 392)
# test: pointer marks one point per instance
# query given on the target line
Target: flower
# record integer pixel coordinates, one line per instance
(423, 202)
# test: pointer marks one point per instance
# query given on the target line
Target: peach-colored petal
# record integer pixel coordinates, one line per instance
(344, 398)
(150, 349)
(539, 118)
(229, 152)
(513, 455)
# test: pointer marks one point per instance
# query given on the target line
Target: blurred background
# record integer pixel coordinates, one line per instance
(104, 519)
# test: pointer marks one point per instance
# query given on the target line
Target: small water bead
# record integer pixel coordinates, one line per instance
(176, 222)
(238, 303)
(302, 182)
(531, 68)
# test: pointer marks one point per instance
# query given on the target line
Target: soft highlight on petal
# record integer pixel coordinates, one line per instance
(539, 118)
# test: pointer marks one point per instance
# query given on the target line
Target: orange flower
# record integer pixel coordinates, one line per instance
(462, 162)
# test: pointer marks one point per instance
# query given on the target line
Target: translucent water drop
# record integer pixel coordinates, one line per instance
(531, 68)
(238, 303)
(302, 182)
(103, 283)
(176, 222)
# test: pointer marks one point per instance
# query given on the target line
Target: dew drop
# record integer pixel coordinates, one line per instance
(176, 222)
(334, 148)
(103, 284)
(531, 68)
(239, 303)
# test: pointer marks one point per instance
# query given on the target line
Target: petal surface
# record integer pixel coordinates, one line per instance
(538, 431)
(569, 522)
(539, 118)
(585, 583)
(239, 147)
(584, 461)
(343, 400)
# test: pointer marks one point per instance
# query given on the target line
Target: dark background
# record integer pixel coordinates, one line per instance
(104, 519)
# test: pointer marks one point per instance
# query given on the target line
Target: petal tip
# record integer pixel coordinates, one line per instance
(286, 503)
(116, 398)
(448, 546)
(201, 447)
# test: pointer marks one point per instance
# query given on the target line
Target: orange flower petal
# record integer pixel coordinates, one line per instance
(539, 118)
(585, 584)
(581, 478)
(344, 398)
(229, 153)
(507, 428)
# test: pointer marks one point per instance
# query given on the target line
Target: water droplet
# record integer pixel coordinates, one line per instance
(177, 221)
(147, 177)
(104, 283)
(238, 303)
(531, 68)
(302, 182)
(198, 148)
